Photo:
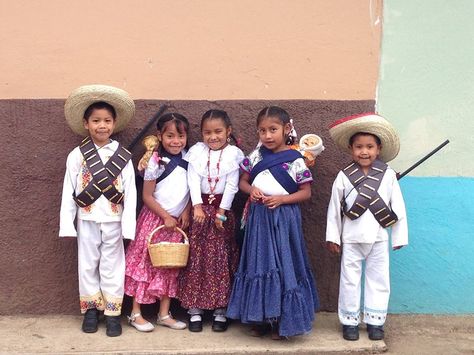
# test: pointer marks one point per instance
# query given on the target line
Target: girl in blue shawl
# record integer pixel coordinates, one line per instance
(274, 285)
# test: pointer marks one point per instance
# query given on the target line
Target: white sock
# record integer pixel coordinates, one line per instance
(220, 318)
(196, 318)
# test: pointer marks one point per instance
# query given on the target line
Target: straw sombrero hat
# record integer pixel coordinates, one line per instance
(343, 129)
(82, 97)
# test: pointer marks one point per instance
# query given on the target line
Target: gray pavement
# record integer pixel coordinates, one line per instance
(404, 334)
(62, 335)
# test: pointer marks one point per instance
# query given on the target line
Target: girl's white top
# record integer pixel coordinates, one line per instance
(366, 229)
(267, 183)
(172, 193)
(228, 183)
(102, 210)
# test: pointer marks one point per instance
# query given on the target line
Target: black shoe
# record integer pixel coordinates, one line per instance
(350, 332)
(114, 328)
(219, 326)
(195, 326)
(91, 319)
(375, 332)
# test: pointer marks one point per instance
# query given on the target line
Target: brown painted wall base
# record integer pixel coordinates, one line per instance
(38, 271)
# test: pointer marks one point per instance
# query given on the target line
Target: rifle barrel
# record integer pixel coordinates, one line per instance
(423, 159)
(147, 126)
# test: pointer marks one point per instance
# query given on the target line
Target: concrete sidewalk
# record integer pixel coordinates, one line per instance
(62, 335)
(405, 334)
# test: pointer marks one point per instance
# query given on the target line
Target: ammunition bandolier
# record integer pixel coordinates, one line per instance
(368, 198)
(103, 176)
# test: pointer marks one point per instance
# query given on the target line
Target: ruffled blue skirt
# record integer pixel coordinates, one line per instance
(274, 281)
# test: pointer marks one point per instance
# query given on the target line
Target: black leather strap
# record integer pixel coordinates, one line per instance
(103, 176)
(368, 198)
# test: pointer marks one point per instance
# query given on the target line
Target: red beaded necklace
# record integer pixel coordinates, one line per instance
(209, 179)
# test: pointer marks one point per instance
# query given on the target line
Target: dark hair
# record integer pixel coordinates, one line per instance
(355, 135)
(181, 123)
(100, 105)
(221, 115)
(279, 113)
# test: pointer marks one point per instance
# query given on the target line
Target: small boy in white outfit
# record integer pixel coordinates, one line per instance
(366, 200)
(99, 191)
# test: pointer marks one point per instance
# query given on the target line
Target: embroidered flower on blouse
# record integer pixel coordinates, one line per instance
(246, 162)
(285, 166)
(306, 174)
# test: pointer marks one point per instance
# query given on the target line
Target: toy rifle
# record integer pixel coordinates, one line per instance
(150, 122)
(434, 151)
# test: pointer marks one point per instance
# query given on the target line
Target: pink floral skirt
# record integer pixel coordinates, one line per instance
(143, 281)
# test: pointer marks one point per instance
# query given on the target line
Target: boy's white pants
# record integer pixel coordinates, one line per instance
(376, 286)
(101, 266)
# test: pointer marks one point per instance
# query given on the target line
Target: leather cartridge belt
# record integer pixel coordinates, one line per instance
(368, 198)
(103, 176)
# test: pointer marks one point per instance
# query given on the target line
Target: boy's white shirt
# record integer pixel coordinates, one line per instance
(229, 173)
(101, 209)
(366, 229)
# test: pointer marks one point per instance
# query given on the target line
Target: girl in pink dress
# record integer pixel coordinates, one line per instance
(166, 202)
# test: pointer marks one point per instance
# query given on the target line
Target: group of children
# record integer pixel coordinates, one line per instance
(269, 283)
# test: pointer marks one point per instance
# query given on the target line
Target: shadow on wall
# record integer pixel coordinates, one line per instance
(38, 271)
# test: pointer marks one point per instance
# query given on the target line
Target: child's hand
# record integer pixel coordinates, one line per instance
(220, 221)
(170, 222)
(397, 247)
(333, 247)
(142, 164)
(183, 220)
(219, 224)
(198, 214)
(273, 201)
(256, 194)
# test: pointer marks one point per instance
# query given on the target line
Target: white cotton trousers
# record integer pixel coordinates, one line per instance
(376, 283)
(101, 266)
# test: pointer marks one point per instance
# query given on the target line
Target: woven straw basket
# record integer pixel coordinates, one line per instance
(168, 255)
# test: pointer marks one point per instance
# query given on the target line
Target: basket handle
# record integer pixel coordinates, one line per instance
(185, 237)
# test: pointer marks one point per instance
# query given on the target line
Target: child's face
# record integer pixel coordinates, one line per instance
(215, 133)
(272, 133)
(365, 150)
(172, 140)
(100, 125)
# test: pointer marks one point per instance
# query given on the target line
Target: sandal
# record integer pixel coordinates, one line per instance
(147, 327)
(177, 325)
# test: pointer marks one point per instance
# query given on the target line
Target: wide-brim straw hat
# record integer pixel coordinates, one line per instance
(84, 96)
(343, 129)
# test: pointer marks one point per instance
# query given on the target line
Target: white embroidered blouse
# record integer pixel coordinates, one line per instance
(228, 172)
(267, 183)
(172, 193)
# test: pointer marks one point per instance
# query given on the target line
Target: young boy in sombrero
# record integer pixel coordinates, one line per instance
(366, 200)
(99, 191)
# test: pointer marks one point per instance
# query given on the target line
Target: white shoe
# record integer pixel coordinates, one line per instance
(147, 327)
(177, 325)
